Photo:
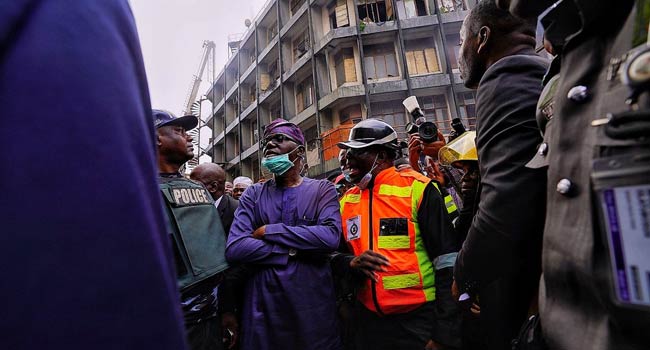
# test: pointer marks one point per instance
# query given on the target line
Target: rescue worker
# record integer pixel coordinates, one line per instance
(461, 154)
(195, 229)
(600, 125)
(403, 247)
(421, 157)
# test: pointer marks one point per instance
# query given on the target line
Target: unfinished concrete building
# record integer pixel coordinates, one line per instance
(327, 64)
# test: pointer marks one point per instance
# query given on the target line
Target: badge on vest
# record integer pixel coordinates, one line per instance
(189, 196)
(623, 194)
(354, 228)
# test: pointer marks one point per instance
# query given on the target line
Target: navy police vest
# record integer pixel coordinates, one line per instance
(196, 232)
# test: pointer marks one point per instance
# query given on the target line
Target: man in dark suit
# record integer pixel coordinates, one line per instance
(597, 119)
(500, 259)
(213, 177)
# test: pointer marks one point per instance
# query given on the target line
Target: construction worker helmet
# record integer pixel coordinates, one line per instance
(371, 132)
(462, 148)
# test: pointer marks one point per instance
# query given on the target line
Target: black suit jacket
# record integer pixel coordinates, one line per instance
(507, 229)
(226, 209)
(232, 287)
(500, 258)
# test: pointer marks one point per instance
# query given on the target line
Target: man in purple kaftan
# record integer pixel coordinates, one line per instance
(286, 228)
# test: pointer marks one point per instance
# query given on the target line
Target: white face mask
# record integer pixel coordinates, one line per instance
(365, 180)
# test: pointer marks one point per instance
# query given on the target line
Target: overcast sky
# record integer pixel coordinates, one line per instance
(172, 33)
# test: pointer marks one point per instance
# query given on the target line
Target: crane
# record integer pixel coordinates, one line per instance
(208, 52)
(192, 105)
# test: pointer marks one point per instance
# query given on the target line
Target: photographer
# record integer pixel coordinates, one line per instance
(425, 141)
(417, 147)
(424, 137)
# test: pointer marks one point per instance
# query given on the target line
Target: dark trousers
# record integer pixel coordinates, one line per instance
(205, 335)
(473, 337)
(504, 308)
(408, 331)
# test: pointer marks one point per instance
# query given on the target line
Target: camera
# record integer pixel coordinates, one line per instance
(428, 131)
(458, 126)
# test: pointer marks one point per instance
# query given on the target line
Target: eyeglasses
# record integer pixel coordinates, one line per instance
(358, 152)
(278, 139)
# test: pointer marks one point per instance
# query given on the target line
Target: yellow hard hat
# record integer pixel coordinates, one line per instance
(462, 148)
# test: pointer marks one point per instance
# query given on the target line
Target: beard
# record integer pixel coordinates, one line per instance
(471, 71)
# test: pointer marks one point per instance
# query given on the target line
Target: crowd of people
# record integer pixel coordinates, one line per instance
(526, 233)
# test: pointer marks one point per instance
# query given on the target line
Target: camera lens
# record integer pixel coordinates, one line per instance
(411, 128)
(428, 132)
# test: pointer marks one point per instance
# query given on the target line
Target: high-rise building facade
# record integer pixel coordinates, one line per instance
(327, 64)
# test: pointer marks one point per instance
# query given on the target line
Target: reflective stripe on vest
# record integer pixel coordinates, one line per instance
(445, 260)
(449, 200)
(450, 204)
(427, 269)
(409, 281)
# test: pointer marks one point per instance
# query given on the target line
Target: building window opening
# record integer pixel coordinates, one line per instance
(452, 5)
(338, 14)
(274, 111)
(421, 8)
(312, 147)
(274, 72)
(380, 61)
(453, 49)
(375, 11)
(349, 114)
(332, 16)
(255, 132)
(252, 94)
(413, 8)
(251, 56)
(237, 149)
(304, 95)
(346, 70)
(301, 46)
(467, 105)
(393, 113)
(271, 32)
(295, 6)
(421, 57)
(269, 79)
(435, 109)
(255, 168)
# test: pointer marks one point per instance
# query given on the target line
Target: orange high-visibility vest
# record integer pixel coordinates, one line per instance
(384, 219)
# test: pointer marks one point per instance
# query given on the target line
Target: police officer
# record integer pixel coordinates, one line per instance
(593, 292)
(397, 227)
(196, 232)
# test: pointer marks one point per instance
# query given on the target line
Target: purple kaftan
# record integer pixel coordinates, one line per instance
(289, 301)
